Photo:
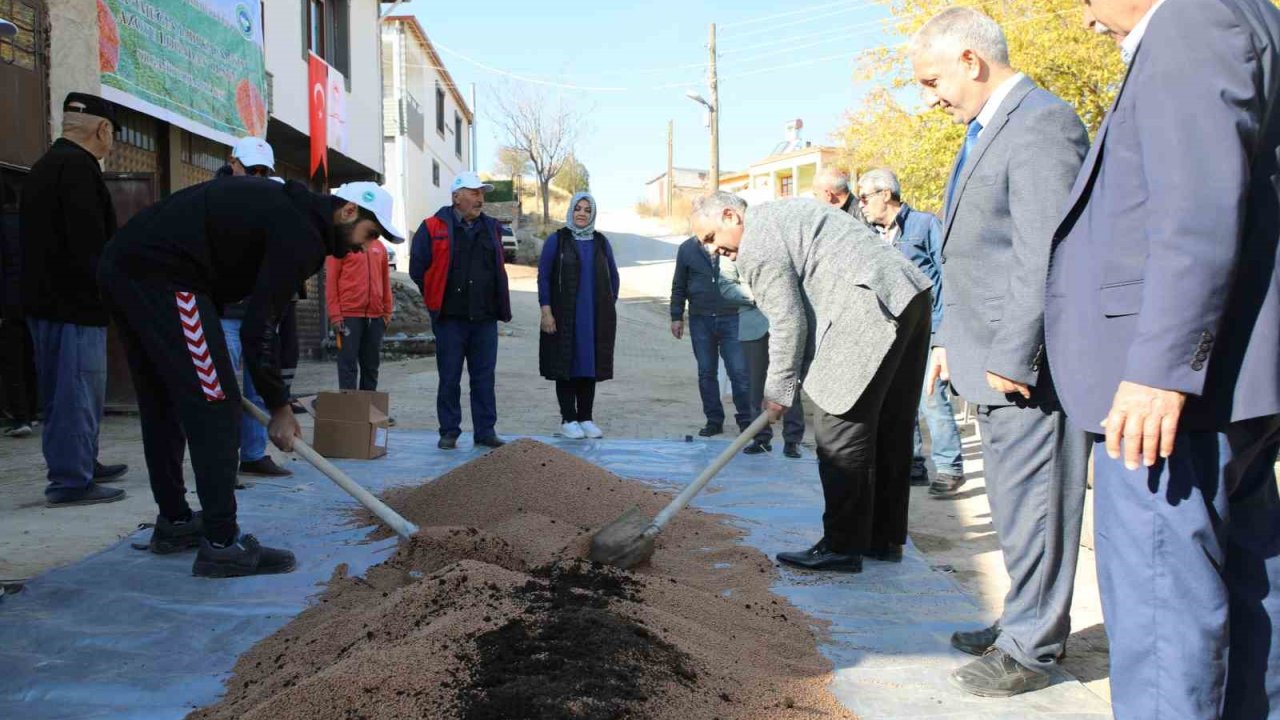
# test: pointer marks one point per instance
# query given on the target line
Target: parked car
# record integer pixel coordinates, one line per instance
(509, 244)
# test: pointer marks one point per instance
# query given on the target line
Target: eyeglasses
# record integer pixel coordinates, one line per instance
(863, 197)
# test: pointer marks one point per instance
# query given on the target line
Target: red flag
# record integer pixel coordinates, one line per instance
(318, 107)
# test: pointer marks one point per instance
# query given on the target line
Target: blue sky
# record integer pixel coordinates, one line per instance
(777, 62)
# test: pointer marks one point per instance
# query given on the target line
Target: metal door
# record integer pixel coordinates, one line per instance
(130, 192)
(24, 89)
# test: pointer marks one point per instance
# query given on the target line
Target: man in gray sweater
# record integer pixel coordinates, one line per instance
(850, 319)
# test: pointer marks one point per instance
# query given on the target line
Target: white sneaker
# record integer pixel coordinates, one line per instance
(572, 430)
(592, 430)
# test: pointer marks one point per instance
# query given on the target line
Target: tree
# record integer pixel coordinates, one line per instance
(1047, 41)
(573, 177)
(545, 130)
(511, 162)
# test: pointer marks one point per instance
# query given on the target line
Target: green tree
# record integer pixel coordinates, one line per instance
(573, 177)
(1047, 41)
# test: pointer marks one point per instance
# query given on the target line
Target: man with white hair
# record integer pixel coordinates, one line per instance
(1163, 327)
(852, 327)
(66, 218)
(456, 261)
(1021, 152)
(918, 235)
(834, 187)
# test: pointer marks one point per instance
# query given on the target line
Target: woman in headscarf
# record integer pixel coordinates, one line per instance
(578, 291)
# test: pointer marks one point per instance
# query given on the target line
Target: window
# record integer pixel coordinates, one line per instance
(439, 109)
(327, 27)
(435, 173)
(786, 186)
(457, 134)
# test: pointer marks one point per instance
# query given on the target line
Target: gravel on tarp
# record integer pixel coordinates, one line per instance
(491, 612)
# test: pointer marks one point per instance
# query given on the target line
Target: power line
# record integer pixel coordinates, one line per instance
(804, 21)
(789, 13)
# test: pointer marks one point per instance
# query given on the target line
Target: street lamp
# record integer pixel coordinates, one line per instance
(714, 123)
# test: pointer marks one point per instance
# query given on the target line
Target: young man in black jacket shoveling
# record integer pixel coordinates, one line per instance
(164, 277)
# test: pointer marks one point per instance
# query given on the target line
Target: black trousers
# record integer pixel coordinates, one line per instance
(187, 395)
(864, 454)
(361, 353)
(18, 387)
(577, 399)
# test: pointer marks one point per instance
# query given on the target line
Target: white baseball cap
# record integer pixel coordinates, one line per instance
(7, 29)
(253, 151)
(371, 197)
(470, 181)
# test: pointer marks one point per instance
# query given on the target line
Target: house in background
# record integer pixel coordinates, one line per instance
(685, 181)
(788, 170)
(426, 125)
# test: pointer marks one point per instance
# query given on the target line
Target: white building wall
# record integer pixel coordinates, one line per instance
(416, 196)
(282, 21)
(73, 54)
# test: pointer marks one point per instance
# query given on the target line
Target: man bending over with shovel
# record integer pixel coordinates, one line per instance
(164, 278)
(849, 319)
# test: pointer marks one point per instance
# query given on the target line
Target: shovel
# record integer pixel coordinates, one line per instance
(628, 541)
(402, 527)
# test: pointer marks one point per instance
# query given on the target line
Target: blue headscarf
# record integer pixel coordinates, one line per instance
(589, 231)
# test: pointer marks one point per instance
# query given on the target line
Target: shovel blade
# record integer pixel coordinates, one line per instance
(623, 542)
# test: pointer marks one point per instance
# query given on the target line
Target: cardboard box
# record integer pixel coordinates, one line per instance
(351, 424)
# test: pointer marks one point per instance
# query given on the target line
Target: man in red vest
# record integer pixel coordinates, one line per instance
(456, 261)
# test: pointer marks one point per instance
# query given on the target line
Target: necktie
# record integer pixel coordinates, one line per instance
(970, 139)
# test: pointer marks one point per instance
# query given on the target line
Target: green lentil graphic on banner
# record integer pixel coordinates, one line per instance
(198, 64)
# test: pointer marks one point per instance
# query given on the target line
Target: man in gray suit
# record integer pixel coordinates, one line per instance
(850, 320)
(1022, 149)
(1163, 328)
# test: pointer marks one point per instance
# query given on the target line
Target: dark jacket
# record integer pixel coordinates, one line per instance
(920, 240)
(432, 263)
(555, 352)
(695, 283)
(66, 218)
(231, 239)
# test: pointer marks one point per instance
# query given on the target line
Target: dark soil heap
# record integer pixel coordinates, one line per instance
(491, 613)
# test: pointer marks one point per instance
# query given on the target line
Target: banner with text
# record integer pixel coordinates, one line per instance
(198, 64)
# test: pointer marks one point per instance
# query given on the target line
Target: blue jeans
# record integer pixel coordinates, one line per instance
(714, 335)
(476, 343)
(253, 436)
(944, 435)
(71, 369)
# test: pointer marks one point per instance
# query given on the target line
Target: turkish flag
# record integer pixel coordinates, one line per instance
(318, 109)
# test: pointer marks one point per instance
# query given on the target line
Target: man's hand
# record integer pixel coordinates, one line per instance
(1146, 419)
(1002, 384)
(774, 410)
(386, 320)
(283, 428)
(548, 322)
(677, 329)
(938, 369)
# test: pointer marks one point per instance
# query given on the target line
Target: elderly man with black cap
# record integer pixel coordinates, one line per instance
(164, 277)
(65, 219)
(456, 261)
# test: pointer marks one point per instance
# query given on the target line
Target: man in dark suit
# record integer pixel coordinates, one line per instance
(1022, 150)
(1163, 329)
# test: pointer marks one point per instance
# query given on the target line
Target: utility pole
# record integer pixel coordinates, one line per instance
(670, 181)
(715, 115)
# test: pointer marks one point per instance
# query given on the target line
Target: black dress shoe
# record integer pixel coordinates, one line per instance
(945, 484)
(493, 441)
(976, 642)
(758, 448)
(711, 429)
(920, 479)
(791, 449)
(821, 557)
(447, 442)
(108, 473)
(892, 554)
(998, 675)
(264, 467)
(246, 556)
(95, 494)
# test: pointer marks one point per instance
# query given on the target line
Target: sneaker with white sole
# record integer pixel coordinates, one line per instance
(592, 430)
(572, 431)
